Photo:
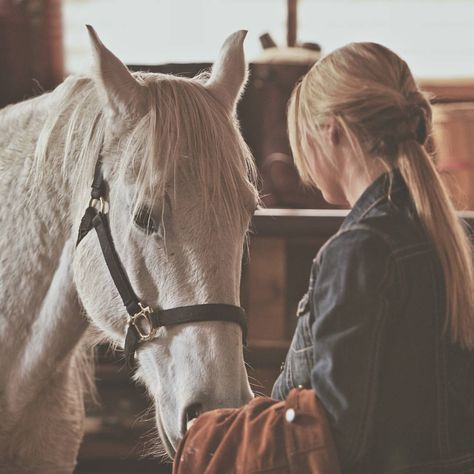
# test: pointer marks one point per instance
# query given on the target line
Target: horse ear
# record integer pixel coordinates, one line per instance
(229, 73)
(123, 93)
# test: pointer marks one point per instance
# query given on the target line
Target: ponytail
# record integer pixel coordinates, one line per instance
(451, 241)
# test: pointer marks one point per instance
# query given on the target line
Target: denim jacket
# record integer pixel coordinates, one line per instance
(371, 341)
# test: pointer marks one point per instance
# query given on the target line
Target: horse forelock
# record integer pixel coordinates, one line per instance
(184, 132)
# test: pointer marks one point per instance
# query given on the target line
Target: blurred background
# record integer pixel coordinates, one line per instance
(434, 36)
(42, 41)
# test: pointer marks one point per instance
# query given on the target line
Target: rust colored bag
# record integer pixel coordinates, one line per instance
(264, 436)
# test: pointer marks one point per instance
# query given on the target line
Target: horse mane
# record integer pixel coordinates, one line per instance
(185, 129)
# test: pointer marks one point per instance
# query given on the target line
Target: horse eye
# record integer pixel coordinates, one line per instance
(145, 221)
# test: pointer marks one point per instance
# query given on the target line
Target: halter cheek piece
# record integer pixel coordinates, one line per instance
(143, 321)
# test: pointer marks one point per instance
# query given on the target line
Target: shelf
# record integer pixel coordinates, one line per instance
(308, 222)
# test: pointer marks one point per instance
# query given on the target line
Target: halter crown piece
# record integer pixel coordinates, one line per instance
(143, 321)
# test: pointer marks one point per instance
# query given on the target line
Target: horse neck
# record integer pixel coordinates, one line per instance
(40, 316)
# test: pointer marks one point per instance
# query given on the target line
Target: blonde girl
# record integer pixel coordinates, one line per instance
(386, 330)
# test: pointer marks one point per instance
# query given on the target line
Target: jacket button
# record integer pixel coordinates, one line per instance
(290, 415)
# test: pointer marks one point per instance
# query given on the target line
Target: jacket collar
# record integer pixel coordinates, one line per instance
(375, 194)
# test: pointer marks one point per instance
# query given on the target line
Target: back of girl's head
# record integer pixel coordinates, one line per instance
(371, 95)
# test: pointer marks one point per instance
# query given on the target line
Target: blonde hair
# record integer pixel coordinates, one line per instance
(370, 93)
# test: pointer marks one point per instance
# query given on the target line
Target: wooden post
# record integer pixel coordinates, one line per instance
(31, 48)
(292, 22)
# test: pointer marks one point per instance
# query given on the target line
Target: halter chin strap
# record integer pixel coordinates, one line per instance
(144, 321)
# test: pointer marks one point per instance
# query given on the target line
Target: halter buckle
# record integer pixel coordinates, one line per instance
(100, 204)
(143, 323)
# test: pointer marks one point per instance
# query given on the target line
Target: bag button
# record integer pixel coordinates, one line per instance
(290, 415)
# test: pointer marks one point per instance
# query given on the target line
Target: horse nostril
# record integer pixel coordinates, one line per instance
(192, 412)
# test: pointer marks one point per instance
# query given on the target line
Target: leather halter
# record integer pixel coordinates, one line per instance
(143, 322)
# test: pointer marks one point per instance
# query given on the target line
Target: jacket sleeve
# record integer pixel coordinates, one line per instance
(350, 311)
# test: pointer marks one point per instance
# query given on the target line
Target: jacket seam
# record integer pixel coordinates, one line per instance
(438, 383)
(302, 350)
(413, 254)
(372, 205)
(442, 421)
(424, 244)
(289, 378)
(441, 375)
(364, 430)
(358, 226)
(353, 228)
(361, 441)
(385, 197)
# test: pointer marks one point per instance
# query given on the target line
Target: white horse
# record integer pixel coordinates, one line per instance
(169, 145)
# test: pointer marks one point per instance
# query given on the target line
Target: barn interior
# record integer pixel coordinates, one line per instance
(43, 41)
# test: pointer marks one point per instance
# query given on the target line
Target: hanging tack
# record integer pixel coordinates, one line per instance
(267, 41)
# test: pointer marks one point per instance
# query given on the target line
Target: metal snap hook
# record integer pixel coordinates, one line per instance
(100, 204)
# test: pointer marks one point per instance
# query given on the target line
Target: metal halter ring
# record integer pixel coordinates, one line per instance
(143, 323)
(100, 204)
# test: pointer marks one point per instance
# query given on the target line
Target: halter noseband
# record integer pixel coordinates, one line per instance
(144, 321)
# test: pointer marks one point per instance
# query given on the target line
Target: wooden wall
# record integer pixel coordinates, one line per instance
(31, 48)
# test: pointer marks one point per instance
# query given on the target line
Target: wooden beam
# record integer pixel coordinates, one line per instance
(448, 90)
(314, 223)
(292, 22)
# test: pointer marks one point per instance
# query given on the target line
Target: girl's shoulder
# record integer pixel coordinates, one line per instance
(374, 242)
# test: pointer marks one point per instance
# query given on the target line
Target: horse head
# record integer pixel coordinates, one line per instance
(180, 198)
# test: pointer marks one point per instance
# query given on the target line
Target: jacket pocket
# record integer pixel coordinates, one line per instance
(296, 370)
